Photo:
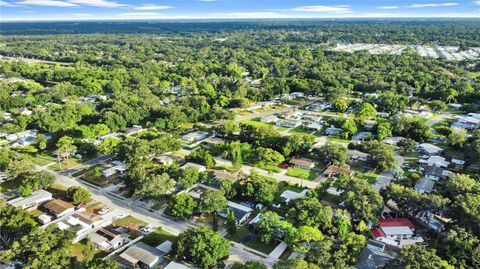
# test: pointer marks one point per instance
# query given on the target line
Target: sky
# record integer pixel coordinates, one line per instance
(32, 10)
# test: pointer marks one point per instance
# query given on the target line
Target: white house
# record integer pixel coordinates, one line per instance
(424, 185)
(32, 201)
(433, 172)
(396, 232)
(332, 130)
(437, 161)
(356, 155)
(194, 136)
(289, 195)
(429, 149)
(141, 255)
(269, 119)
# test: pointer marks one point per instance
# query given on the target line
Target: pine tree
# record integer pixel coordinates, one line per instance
(231, 225)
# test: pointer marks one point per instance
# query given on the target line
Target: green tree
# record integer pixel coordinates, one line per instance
(188, 177)
(332, 153)
(201, 246)
(418, 257)
(181, 206)
(236, 153)
(102, 264)
(349, 128)
(78, 195)
(41, 248)
(309, 212)
(361, 200)
(457, 138)
(384, 129)
(15, 223)
(380, 155)
(231, 224)
(212, 201)
(253, 265)
(109, 145)
(65, 145)
(41, 141)
(294, 264)
(340, 105)
(407, 144)
(154, 186)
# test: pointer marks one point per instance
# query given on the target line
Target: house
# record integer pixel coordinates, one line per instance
(25, 135)
(433, 172)
(297, 95)
(317, 106)
(334, 170)
(437, 161)
(332, 130)
(240, 212)
(163, 159)
(165, 247)
(201, 168)
(135, 129)
(59, 208)
(82, 223)
(109, 172)
(269, 119)
(392, 141)
(141, 255)
(220, 175)
(362, 136)
(212, 141)
(302, 163)
(356, 155)
(176, 265)
(118, 166)
(373, 256)
(430, 220)
(25, 111)
(289, 195)
(109, 238)
(313, 126)
(288, 123)
(32, 201)
(396, 232)
(466, 122)
(429, 149)
(474, 115)
(103, 137)
(194, 136)
(424, 185)
(292, 115)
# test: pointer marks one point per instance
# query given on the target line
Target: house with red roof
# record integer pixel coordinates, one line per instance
(396, 232)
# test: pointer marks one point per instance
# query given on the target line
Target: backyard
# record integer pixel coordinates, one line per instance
(157, 237)
(302, 173)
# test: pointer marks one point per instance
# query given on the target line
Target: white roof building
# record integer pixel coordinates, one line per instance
(35, 199)
(289, 195)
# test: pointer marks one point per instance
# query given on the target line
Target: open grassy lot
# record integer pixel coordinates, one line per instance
(157, 237)
(128, 221)
(337, 139)
(283, 186)
(370, 177)
(258, 245)
(255, 122)
(302, 173)
(43, 158)
(300, 130)
(58, 190)
(77, 250)
(64, 165)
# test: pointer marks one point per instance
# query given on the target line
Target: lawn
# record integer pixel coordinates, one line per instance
(129, 221)
(157, 237)
(63, 166)
(58, 190)
(239, 235)
(299, 130)
(258, 245)
(77, 250)
(283, 186)
(255, 122)
(85, 170)
(302, 173)
(370, 177)
(43, 159)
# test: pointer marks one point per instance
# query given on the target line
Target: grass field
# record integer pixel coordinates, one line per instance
(256, 244)
(338, 140)
(302, 173)
(43, 159)
(256, 122)
(157, 237)
(63, 166)
(58, 190)
(128, 221)
(299, 130)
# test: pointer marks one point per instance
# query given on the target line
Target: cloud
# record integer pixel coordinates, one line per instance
(477, 2)
(248, 15)
(7, 4)
(325, 9)
(432, 5)
(152, 7)
(82, 14)
(49, 3)
(388, 7)
(97, 3)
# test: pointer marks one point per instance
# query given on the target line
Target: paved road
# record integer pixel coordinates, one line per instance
(437, 119)
(95, 161)
(123, 206)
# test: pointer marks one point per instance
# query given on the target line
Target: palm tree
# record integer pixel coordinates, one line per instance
(65, 145)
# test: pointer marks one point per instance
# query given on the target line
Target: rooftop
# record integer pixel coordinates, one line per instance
(57, 206)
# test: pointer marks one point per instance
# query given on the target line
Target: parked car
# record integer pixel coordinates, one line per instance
(147, 229)
(104, 211)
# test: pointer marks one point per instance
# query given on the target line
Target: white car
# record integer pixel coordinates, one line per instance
(104, 211)
(147, 229)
